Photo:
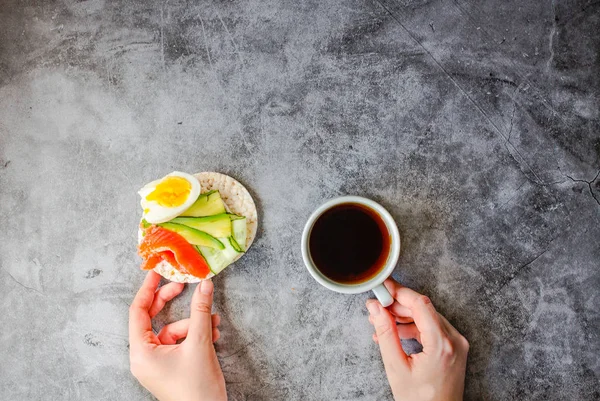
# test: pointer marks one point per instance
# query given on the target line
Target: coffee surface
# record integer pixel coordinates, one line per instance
(349, 243)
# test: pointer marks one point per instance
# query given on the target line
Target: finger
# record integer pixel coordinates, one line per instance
(216, 320)
(394, 358)
(404, 320)
(173, 332)
(407, 331)
(399, 310)
(424, 314)
(163, 295)
(450, 330)
(216, 334)
(200, 314)
(140, 325)
(375, 339)
(455, 334)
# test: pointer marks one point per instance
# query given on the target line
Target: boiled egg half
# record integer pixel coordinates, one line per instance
(167, 198)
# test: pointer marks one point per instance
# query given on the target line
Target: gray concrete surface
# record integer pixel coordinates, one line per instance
(476, 123)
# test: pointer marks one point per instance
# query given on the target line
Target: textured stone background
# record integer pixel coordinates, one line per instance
(476, 123)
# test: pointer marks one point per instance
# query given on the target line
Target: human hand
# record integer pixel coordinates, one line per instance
(188, 371)
(437, 373)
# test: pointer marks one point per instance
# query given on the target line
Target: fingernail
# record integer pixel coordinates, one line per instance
(205, 287)
(373, 308)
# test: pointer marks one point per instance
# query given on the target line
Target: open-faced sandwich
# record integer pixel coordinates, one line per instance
(194, 226)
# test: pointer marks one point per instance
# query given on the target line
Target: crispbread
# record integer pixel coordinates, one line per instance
(237, 200)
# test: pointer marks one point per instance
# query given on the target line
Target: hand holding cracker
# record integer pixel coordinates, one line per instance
(188, 371)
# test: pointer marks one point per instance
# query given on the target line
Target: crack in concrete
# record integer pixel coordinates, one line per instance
(522, 75)
(162, 37)
(551, 38)
(512, 119)
(240, 350)
(589, 184)
(515, 194)
(521, 164)
(23, 285)
(516, 155)
(521, 268)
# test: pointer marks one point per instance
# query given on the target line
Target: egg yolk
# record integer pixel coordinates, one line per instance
(171, 192)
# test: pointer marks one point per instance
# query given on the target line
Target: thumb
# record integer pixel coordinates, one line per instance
(394, 358)
(200, 330)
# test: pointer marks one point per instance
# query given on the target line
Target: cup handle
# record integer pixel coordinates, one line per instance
(383, 295)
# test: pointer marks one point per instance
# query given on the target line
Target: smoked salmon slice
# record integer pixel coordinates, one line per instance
(154, 259)
(151, 262)
(161, 244)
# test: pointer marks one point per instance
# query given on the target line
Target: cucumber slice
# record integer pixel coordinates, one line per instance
(235, 245)
(207, 204)
(219, 260)
(239, 232)
(218, 226)
(194, 236)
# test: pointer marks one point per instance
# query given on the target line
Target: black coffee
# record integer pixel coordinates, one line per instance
(349, 243)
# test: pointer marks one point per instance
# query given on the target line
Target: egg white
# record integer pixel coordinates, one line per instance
(160, 214)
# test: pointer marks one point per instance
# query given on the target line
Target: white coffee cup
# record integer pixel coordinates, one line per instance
(375, 283)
